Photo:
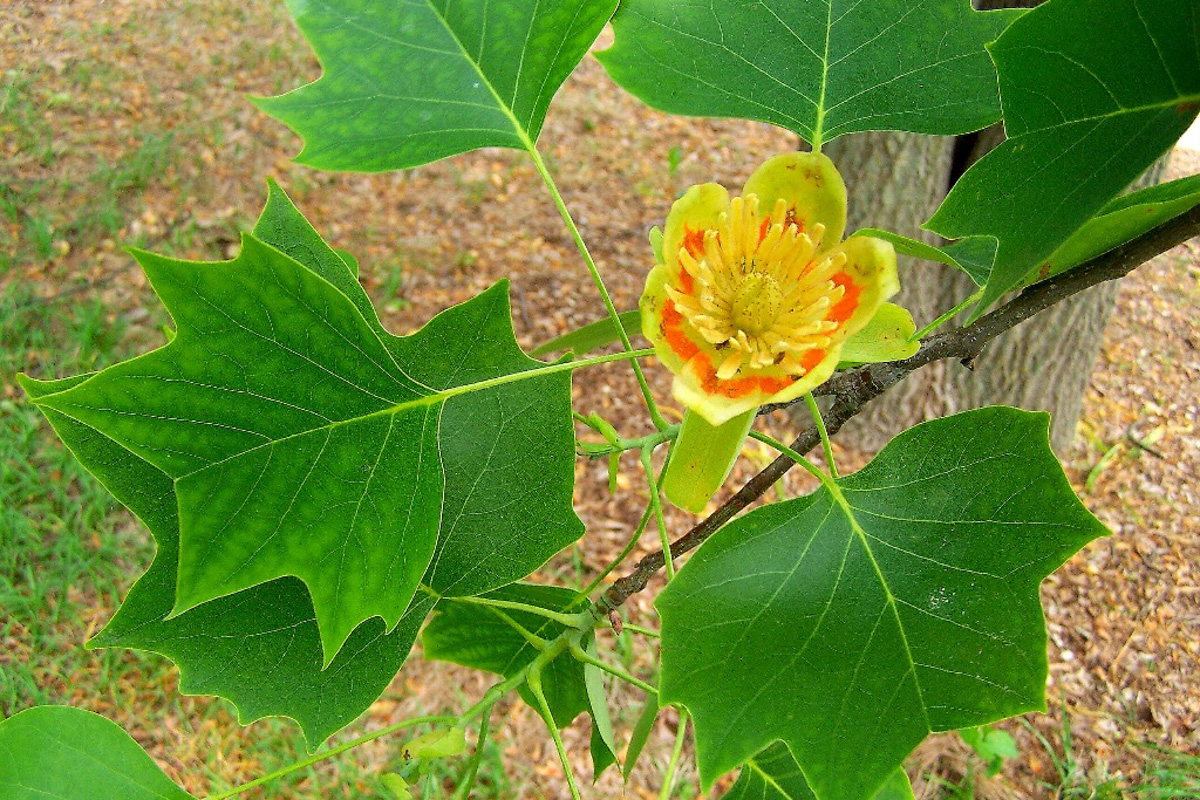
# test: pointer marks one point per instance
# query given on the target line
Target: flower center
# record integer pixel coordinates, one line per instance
(756, 303)
(757, 289)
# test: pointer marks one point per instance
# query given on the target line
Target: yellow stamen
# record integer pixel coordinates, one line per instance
(758, 289)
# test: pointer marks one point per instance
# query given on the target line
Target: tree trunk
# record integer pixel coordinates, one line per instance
(895, 182)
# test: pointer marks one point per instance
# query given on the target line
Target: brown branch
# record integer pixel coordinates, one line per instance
(853, 389)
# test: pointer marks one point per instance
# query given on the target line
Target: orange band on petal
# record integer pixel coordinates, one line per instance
(686, 283)
(844, 308)
(811, 359)
(774, 385)
(693, 241)
(672, 329)
(738, 387)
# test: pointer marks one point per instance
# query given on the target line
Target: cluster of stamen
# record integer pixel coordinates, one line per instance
(758, 292)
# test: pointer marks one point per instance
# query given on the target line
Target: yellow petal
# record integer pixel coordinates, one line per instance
(868, 277)
(811, 188)
(659, 318)
(699, 210)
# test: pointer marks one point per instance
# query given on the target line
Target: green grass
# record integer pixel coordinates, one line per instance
(65, 546)
(21, 117)
(114, 186)
(1170, 775)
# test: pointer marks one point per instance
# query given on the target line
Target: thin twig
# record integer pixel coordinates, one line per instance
(853, 389)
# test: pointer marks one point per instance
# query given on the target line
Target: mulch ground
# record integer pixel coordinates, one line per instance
(92, 85)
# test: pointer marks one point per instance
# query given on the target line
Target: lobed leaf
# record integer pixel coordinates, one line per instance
(259, 648)
(334, 473)
(72, 754)
(411, 81)
(851, 623)
(1081, 124)
(511, 442)
(822, 69)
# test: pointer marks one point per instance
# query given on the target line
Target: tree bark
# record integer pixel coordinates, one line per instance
(895, 182)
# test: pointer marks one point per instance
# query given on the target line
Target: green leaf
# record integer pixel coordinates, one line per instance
(602, 752)
(593, 681)
(1082, 124)
(820, 68)
(973, 256)
(512, 441)
(885, 338)
(328, 474)
(640, 734)
(436, 744)
(771, 775)
(484, 637)
(72, 754)
(992, 746)
(594, 335)
(481, 637)
(396, 785)
(896, 787)
(406, 83)
(851, 623)
(259, 648)
(774, 775)
(1124, 218)
(334, 474)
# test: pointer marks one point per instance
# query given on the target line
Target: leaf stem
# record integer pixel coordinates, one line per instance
(820, 423)
(638, 629)
(673, 766)
(534, 681)
(614, 443)
(587, 658)
(582, 621)
(279, 773)
(537, 642)
(536, 372)
(616, 562)
(613, 314)
(468, 781)
(656, 507)
(949, 315)
(493, 694)
(825, 479)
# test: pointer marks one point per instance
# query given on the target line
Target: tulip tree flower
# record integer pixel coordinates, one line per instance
(750, 303)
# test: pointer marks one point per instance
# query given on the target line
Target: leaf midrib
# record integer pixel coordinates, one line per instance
(839, 497)
(818, 129)
(442, 396)
(768, 779)
(504, 107)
